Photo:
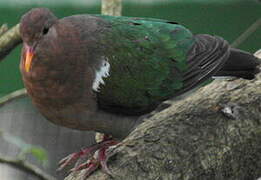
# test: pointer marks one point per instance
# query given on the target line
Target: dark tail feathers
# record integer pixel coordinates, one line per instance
(240, 64)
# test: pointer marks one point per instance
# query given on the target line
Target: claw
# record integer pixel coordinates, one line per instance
(103, 160)
(83, 166)
(67, 160)
(91, 169)
(88, 152)
(93, 163)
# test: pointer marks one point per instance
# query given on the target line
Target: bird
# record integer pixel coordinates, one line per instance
(102, 73)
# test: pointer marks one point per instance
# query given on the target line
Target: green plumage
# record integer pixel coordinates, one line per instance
(148, 60)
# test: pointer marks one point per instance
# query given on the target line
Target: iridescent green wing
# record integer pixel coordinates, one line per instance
(147, 59)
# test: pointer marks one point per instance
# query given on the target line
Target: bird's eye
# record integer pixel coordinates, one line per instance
(45, 30)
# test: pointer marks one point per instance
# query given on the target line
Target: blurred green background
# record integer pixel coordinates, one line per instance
(226, 18)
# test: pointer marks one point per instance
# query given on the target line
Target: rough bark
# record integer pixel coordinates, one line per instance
(212, 134)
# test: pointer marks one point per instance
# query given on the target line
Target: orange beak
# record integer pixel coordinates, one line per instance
(28, 58)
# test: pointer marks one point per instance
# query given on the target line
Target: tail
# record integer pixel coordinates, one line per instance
(240, 64)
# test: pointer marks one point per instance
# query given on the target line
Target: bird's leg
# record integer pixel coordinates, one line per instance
(93, 162)
(104, 155)
(103, 159)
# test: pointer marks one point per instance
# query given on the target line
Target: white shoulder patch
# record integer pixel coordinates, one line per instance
(101, 73)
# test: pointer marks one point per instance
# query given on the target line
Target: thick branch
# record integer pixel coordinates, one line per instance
(9, 40)
(212, 134)
(27, 167)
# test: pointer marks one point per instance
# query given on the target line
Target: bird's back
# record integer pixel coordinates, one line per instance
(138, 62)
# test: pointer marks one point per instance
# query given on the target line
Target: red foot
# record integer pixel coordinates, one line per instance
(93, 162)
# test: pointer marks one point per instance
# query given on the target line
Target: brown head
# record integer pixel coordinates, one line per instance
(34, 26)
(54, 58)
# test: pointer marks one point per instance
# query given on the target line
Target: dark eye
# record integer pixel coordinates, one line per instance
(45, 30)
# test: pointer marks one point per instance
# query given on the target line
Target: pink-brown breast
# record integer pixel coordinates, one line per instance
(59, 81)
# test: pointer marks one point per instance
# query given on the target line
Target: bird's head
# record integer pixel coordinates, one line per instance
(34, 26)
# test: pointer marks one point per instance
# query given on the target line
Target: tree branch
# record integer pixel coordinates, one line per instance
(250, 30)
(9, 40)
(111, 7)
(26, 167)
(258, 54)
(3, 29)
(12, 96)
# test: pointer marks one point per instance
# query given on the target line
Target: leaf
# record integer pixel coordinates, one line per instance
(39, 153)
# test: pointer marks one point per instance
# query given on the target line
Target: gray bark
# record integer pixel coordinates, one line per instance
(212, 134)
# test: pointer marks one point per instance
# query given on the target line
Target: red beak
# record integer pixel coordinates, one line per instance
(28, 57)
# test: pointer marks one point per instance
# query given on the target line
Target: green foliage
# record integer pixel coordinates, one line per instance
(27, 149)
